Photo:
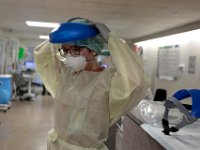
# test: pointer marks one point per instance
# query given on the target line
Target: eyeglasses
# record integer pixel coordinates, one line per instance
(73, 50)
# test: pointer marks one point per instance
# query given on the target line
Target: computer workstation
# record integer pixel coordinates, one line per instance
(29, 74)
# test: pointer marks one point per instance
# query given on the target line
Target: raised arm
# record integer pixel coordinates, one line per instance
(129, 83)
(46, 66)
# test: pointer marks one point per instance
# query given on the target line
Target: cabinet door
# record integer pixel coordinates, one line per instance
(135, 138)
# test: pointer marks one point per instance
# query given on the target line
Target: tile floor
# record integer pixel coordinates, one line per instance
(25, 125)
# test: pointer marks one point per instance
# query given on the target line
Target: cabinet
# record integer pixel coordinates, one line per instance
(135, 138)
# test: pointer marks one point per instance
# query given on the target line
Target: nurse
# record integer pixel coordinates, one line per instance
(88, 98)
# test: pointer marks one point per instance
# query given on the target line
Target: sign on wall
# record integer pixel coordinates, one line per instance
(168, 61)
(191, 64)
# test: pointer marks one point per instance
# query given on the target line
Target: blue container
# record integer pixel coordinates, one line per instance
(5, 89)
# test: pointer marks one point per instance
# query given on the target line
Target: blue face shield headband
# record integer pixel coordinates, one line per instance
(73, 31)
(188, 116)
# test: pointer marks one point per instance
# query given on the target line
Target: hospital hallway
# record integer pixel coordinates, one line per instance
(25, 125)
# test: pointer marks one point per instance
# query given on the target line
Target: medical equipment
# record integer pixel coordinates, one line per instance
(29, 65)
(5, 92)
(151, 112)
(19, 86)
(75, 63)
(188, 117)
(72, 31)
(23, 85)
(29, 75)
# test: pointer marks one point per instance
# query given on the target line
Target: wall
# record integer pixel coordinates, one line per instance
(9, 45)
(25, 43)
(9, 53)
(189, 46)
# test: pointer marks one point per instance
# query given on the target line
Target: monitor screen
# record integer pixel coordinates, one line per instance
(29, 65)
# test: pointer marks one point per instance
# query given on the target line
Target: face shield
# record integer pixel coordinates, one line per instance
(72, 31)
(188, 116)
(72, 36)
(79, 32)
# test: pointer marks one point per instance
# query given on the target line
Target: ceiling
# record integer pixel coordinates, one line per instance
(132, 19)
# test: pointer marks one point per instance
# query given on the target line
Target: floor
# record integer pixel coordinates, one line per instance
(25, 125)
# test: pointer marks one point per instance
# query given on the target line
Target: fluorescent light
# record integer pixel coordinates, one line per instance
(45, 37)
(42, 24)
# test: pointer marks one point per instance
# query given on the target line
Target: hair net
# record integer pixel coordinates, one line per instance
(92, 43)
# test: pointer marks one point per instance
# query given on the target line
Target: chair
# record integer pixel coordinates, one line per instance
(160, 95)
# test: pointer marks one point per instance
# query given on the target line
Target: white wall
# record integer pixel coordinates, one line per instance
(5, 59)
(8, 51)
(25, 43)
(189, 46)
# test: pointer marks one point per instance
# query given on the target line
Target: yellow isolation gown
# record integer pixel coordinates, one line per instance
(88, 103)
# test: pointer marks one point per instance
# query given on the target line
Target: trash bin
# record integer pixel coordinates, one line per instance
(5, 89)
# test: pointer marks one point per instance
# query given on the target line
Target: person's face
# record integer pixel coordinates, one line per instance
(69, 49)
(87, 53)
(77, 51)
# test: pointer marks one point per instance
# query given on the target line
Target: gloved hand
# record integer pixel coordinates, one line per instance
(103, 29)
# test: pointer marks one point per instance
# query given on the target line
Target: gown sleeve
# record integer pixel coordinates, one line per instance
(129, 83)
(47, 67)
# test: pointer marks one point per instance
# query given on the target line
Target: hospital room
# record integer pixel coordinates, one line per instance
(99, 75)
